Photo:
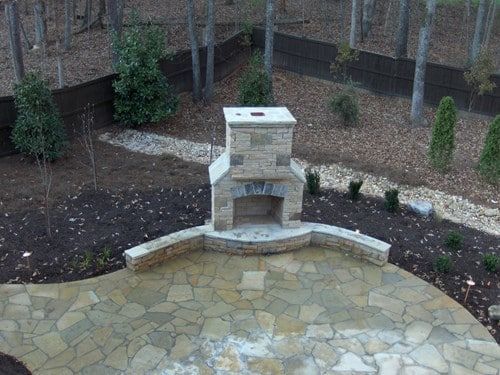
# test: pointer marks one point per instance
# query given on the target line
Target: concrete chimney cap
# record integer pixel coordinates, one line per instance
(258, 116)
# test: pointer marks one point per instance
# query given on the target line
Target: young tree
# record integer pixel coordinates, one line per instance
(87, 140)
(209, 77)
(489, 163)
(478, 76)
(68, 23)
(12, 18)
(40, 23)
(443, 135)
(403, 27)
(417, 101)
(489, 24)
(368, 13)
(115, 15)
(478, 31)
(269, 44)
(195, 55)
(353, 33)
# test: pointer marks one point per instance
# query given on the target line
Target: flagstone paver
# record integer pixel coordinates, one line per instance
(313, 311)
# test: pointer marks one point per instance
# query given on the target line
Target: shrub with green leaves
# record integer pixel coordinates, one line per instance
(443, 264)
(354, 188)
(391, 200)
(345, 104)
(491, 262)
(254, 85)
(313, 181)
(443, 135)
(142, 93)
(454, 240)
(38, 130)
(489, 163)
(478, 76)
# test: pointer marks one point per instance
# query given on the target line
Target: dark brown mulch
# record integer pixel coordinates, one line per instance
(11, 366)
(89, 222)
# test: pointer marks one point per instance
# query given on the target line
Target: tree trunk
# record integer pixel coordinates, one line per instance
(403, 27)
(269, 43)
(491, 20)
(478, 31)
(209, 78)
(40, 23)
(388, 16)
(342, 21)
(115, 14)
(12, 18)
(466, 21)
(368, 13)
(417, 101)
(195, 55)
(353, 34)
(68, 23)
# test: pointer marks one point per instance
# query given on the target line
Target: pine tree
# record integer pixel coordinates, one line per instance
(489, 163)
(443, 135)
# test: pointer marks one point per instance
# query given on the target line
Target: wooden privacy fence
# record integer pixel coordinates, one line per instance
(71, 101)
(378, 73)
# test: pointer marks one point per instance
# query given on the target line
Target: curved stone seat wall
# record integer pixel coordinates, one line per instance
(256, 240)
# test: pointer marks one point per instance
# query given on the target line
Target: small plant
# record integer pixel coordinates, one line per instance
(313, 181)
(391, 200)
(86, 260)
(247, 28)
(443, 264)
(489, 163)
(491, 262)
(478, 76)
(38, 130)
(454, 240)
(345, 104)
(254, 85)
(443, 135)
(344, 57)
(104, 257)
(142, 93)
(354, 188)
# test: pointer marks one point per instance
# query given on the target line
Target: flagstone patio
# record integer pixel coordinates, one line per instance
(308, 312)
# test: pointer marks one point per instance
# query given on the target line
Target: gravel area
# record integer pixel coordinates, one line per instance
(451, 207)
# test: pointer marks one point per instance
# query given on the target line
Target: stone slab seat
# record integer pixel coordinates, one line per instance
(256, 239)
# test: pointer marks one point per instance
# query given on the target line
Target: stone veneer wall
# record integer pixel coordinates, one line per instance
(157, 251)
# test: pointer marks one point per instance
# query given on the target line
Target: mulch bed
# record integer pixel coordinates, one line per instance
(11, 366)
(88, 222)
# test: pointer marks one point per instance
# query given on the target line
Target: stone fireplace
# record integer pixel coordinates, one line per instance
(255, 181)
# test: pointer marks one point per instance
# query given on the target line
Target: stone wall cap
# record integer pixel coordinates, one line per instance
(219, 168)
(258, 116)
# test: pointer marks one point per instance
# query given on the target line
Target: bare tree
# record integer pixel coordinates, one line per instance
(466, 21)
(68, 23)
(209, 77)
(40, 23)
(353, 35)
(195, 55)
(12, 18)
(478, 31)
(489, 24)
(388, 17)
(269, 43)
(417, 101)
(368, 13)
(115, 14)
(87, 140)
(403, 27)
(45, 171)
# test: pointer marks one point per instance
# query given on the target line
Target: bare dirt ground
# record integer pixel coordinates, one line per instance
(90, 58)
(382, 143)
